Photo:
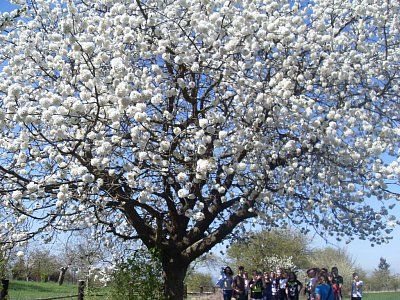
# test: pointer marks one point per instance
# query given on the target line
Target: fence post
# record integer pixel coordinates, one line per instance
(4, 289)
(81, 289)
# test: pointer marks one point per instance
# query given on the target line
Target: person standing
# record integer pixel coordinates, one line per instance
(256, 285)
(293, 287)
(246, 284)
(225, 283)
(282, 280)
(338, 280)
(274, 286)
(356, 287)
(309, 291)
(323, 291)
(334, 285)
(238, 284)
(267, 292)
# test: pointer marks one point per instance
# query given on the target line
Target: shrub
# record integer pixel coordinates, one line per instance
(139, 277)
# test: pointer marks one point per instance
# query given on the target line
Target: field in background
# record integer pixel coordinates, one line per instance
(22, 290)
(381, 296)
(366, 296)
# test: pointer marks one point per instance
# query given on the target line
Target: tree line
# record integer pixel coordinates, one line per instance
(263, 250)
(290, 250)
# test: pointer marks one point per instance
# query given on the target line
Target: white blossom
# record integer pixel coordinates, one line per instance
(134, 113)
(182, 177)
(198, 216)
(17, 195)
(165, 145)
(183, 193)
(203, 123)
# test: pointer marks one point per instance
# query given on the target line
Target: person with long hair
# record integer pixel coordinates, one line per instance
(293, 287)
(225, 282)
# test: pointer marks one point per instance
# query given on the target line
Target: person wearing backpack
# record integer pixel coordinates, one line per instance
(323, 291)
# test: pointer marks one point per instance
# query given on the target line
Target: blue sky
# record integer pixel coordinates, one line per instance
(6, 6)
(361, 251)
(367, 257)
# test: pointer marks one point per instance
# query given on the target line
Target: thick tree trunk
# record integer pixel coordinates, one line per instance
(174, 276)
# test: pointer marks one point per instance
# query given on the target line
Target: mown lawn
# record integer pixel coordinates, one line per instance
(22, 290)
(381, 296)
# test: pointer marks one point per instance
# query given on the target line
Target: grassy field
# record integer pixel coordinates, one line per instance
(370, 296)
(366, 296)
(381, 296)
(22, 290)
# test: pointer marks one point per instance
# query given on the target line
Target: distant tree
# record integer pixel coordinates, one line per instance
(396, 282)
(383, 266)
(268, 250)
(207, 261)
(331, 257)
(4, 260)
(197, 279)
(382, 278)
(36, 264)
(84, 256)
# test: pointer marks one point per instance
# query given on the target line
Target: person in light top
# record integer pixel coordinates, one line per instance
(356, 287)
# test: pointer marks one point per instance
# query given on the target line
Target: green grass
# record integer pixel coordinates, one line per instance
(22, 290)
(381, 296)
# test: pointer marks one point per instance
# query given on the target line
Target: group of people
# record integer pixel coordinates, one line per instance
(281, 285)
(324, 285)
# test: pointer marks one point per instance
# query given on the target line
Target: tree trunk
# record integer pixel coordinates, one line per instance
(174, 276)
(61, 277)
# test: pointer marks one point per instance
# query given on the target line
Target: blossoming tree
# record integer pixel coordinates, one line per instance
(174, 122)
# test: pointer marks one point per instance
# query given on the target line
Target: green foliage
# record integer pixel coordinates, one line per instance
(139, 277)
(382, 278)
(383, 266)
(197, 279)
(288, 248)
(38, 265)
(3, 263)
(330, 257)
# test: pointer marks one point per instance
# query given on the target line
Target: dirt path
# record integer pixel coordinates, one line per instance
(216, 296)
